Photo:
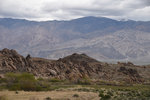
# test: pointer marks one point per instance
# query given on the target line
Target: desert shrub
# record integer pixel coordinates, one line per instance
(16, 92)
(27, 85)
(48, 98)
(83, 89)
(84, 81)
(146, 93)
(104, 82)
(110, 93)
(104, 97)
(21, 81)
(16, 77)
(101, 95)
(101, 91)
(2, 80)
(76, 95)
(3, 97)
(55, 80)
(40, 79)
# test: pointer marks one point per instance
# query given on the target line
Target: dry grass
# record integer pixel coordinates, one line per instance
(55, 95)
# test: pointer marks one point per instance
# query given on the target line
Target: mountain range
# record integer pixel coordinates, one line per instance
(102, 38)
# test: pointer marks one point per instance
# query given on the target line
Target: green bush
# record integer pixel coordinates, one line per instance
(16, 77)
(21, 81)
(2, 80)
(84, 81)
(101, 95)
(84, 89)
(104, 97)
(55, 80)
(110, 93)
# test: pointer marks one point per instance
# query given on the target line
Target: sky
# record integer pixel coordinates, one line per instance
(42, 10)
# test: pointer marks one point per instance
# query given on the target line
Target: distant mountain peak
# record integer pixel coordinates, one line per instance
(92, 18)
(75, 57)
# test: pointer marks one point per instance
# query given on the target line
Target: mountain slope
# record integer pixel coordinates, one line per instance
(102, 38)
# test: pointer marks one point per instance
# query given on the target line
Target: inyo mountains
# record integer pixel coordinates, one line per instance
(101, 38)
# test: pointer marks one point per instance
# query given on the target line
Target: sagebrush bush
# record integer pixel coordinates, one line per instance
(84, 81)
(76, 95)
(21, 81)
(55, 80)
(48, 98)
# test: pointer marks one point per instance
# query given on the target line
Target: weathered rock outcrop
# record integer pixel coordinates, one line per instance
(73, 67)
(11, 61)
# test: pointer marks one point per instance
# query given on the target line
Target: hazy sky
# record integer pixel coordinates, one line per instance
(70, 9)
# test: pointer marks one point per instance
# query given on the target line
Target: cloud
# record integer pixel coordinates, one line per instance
(69, 9)
(140, 14)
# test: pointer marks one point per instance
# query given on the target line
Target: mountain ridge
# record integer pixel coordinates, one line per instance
(55, 39)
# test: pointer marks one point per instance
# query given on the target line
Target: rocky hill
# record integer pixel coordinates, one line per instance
(101, 38)
(73, 67)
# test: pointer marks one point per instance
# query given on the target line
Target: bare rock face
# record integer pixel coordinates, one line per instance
(11, 61)
(73, 67)
(132, 73)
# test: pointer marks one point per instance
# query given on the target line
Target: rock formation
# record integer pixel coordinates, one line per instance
(73, 67)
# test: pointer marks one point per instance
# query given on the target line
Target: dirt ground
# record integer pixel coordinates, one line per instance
(54, 95)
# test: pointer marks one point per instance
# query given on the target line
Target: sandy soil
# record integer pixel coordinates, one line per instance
(55, 95)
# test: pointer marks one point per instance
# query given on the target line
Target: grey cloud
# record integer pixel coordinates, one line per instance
(146, 2)
(69, 9)
(100, 12)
